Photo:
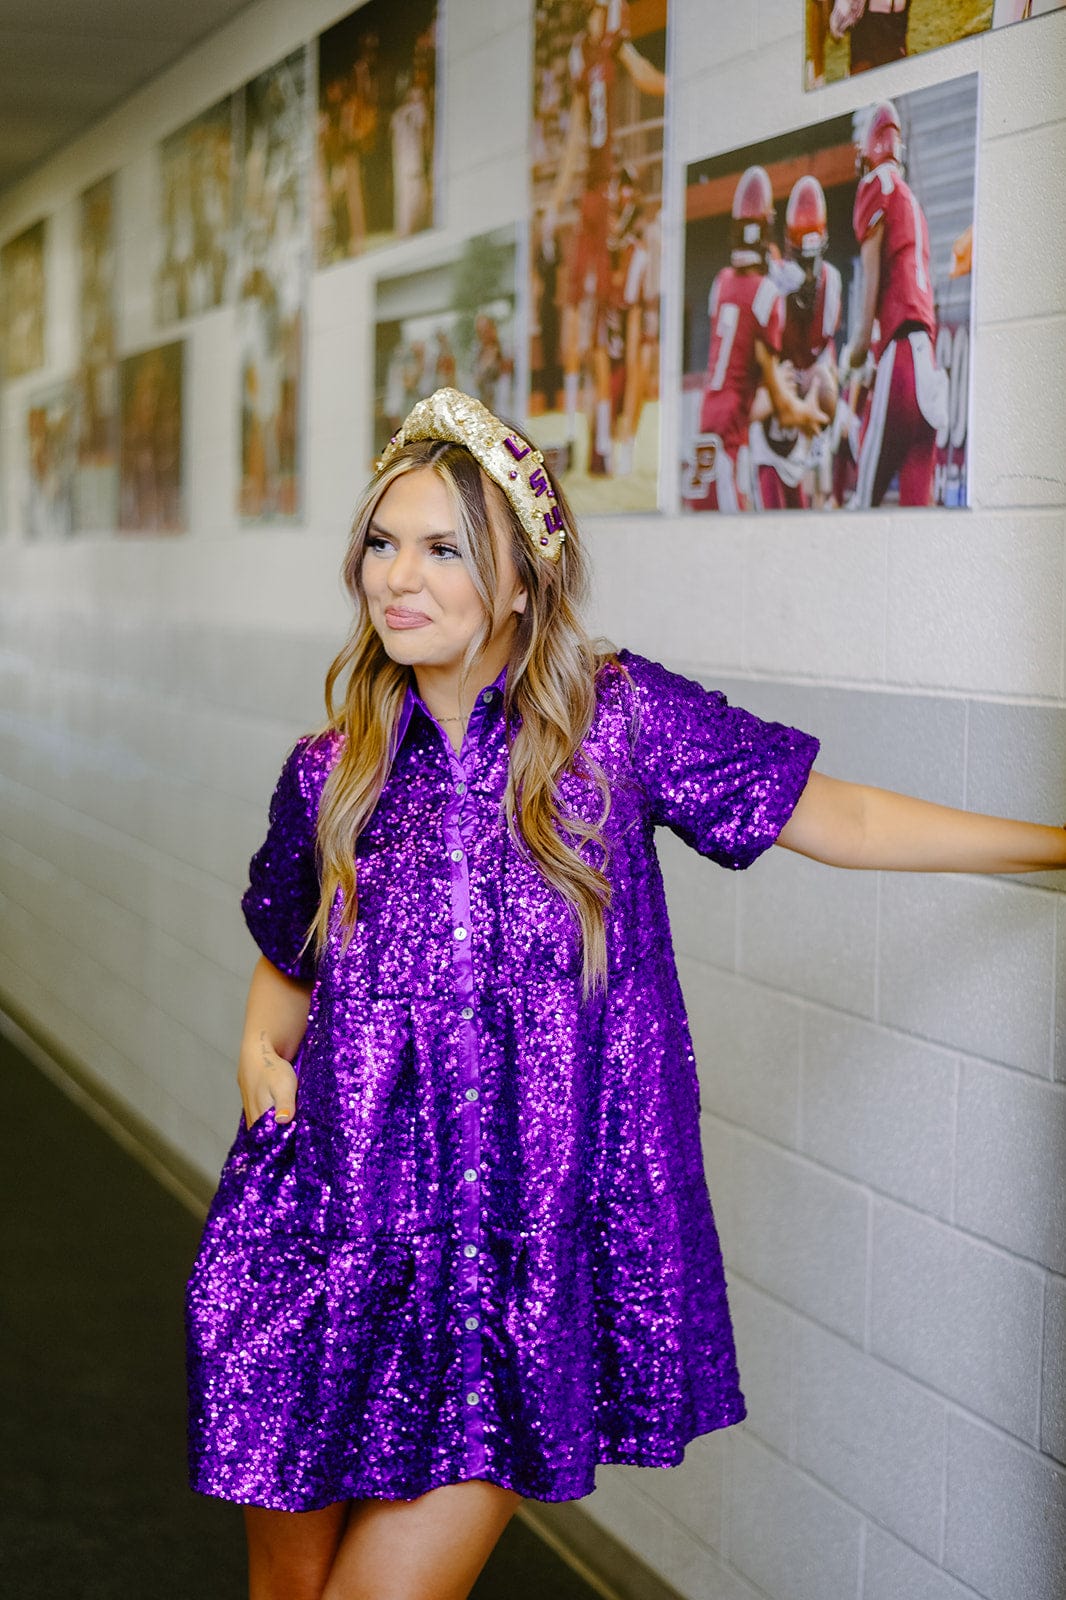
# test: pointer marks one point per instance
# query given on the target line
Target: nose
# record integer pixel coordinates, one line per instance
(403, 575)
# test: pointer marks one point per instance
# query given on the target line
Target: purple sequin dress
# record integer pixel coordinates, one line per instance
(484, 1247)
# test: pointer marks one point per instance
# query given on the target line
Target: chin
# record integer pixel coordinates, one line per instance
(407, 649)
(401, 648)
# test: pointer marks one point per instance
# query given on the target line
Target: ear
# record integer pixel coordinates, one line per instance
(520, 602)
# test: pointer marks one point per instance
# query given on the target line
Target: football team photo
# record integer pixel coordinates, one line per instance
(828, 310)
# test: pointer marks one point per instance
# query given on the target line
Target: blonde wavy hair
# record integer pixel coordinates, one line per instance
(549, 701)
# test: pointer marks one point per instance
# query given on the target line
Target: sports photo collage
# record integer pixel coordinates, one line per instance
(826, 276)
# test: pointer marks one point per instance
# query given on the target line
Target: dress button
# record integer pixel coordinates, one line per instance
(457, 855)
(460, 788)
(469, 1250)
(466, 1013)
(472, 1398)
(470, 1175)
(460, 933)
(471, 1094)
(471, 1322)
(488, 696)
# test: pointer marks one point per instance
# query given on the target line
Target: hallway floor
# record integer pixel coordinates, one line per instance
(93, 1262)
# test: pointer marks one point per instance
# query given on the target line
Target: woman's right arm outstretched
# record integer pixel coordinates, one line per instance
(275, 1021)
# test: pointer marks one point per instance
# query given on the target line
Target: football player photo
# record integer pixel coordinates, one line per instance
(48, 507)
(22, 306)
(827, 316)
(196, 241)
(95, 493)
(450, 321)
(272, 291)
(844, 37)
(597, 149)
(151, 459)
(376, 128)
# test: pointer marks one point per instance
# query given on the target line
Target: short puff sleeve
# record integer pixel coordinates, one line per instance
(722, 779)
(283, 892)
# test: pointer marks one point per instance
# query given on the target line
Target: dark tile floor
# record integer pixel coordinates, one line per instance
(93, 1501)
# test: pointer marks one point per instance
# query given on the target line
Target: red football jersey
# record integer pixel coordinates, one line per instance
(905, 292)
(744, 307)
(808, 333)
(593, 70)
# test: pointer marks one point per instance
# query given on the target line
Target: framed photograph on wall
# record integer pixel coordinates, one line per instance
(51, 440)
(845, 37)
(828, 312)
(272, 289)
(151, 466)
(197, 174)
(451, 321)
(22, 301)
(596, 149)
(96, 473)
(377, 122)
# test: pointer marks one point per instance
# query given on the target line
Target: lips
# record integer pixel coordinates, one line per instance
(399, 617)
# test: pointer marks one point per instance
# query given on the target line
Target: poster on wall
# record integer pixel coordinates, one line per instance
(23, 301)
(848, 36)
(599, 97)
(844, 37)
(96, 471)
(151, 477)
(196, 203)
(448, 322)
(829, 316)
(51, 461)
(272, 289)
(377, 100)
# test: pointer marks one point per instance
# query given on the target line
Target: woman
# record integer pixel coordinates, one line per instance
(474, 1255)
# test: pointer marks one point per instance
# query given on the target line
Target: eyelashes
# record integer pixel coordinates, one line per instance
(440, 550)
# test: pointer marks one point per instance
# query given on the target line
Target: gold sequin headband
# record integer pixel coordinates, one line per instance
(510, 461)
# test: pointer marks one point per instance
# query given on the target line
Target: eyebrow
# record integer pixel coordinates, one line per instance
(425, 538)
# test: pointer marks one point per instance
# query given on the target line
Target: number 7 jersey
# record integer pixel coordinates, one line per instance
(745, 307)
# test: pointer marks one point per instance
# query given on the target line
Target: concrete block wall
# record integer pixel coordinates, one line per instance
(882, 1058)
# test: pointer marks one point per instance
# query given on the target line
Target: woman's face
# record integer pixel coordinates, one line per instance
(419, 590)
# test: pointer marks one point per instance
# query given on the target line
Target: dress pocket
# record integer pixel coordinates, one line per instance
(257, 1150)
(261, 1129)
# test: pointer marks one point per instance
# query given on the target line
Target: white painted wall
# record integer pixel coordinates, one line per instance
(883, 1060)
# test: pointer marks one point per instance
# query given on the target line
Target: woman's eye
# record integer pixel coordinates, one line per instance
(446, 552)
(376, 543)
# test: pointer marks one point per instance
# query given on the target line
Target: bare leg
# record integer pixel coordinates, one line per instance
(290, 1552)
(431, 1548)
(571, 339)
